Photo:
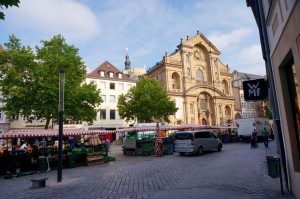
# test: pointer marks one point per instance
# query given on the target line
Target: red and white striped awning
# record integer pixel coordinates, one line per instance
(163, 128)
(49, 133)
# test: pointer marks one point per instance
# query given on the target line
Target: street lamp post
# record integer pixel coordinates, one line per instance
(60, 123)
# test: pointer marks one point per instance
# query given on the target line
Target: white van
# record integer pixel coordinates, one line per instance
(196, 141)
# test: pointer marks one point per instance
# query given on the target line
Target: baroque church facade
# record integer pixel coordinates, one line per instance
(198, 82)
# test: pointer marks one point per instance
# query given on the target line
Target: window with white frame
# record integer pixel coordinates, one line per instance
(103, 85)
(112, 98)
(111, 74)
(101, 73)
(120, 86)
(243, 104)
(103, 98)
(120, 75)
(129, 86)
(244, 115)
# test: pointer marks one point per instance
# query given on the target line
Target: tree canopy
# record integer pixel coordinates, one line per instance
(6, 4)
(146, 102)
(29, 81)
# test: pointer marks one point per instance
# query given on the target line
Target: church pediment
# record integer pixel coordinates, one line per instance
(201, 41)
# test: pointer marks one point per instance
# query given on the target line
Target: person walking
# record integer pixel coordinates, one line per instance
(43, 145)
(265, 134)
(107, 143)
(253, 140)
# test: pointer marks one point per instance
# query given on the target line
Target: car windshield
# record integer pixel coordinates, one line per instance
(183, 136)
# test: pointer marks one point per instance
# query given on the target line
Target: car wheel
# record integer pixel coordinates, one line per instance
(220, 147)
(200, 151)
(181, 153)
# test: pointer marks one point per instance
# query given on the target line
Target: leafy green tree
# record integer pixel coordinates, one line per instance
(146, 102)
(6, 4)
(268, 113)
(30, 81)
(17, 69)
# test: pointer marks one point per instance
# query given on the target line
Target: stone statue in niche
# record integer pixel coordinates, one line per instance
(187, 57)
(216, 63)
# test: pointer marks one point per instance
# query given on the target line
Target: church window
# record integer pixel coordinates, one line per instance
(199, 75)
(202, 104)
(175, 81)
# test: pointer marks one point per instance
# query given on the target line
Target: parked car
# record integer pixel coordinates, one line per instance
(196, 141)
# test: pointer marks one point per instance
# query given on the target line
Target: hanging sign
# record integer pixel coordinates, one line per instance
(255, 90)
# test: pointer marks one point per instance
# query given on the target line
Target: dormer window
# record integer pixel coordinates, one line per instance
(101, 73)
(120, 75)
(111, 74)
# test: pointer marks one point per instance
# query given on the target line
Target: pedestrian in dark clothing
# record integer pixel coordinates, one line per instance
(254, 139)
(34, 156)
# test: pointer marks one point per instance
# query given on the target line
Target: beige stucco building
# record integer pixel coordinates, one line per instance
(198, 82)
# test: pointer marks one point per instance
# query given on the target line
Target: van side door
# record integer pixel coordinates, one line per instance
(203, 139)
(214, 141)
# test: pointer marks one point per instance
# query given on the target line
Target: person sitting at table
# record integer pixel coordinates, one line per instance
(24, 146)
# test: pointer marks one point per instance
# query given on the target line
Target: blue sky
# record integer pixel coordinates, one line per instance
(102, 30)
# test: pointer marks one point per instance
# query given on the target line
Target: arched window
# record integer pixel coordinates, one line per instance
(175, 81)
(227, 111)
(203, 104)
(199, 75)
(225, 87)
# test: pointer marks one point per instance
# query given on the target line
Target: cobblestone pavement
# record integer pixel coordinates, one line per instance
(236, 172)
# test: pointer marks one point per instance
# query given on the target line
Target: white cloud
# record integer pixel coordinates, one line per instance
(222, 41)
(147, 28)
(249, 60)
(251, 54)
(73, 20)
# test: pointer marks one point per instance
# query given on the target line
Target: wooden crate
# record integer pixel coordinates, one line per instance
(94, 158)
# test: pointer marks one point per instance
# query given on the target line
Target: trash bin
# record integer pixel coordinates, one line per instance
(273, 166)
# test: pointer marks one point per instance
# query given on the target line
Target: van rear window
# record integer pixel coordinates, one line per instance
(183, 136)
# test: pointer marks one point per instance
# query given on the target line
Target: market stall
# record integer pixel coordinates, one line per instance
(78, 146)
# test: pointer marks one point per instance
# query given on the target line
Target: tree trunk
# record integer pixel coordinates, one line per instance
(48, 118)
